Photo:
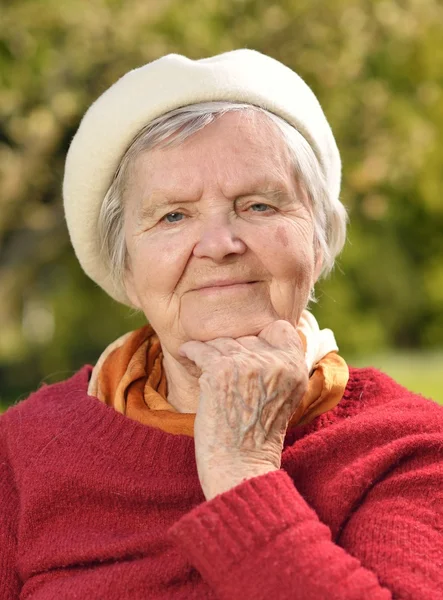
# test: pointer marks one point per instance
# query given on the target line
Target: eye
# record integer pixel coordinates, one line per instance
(173, 217)
(260, 207)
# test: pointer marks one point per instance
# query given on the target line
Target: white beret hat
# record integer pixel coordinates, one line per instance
(173, 81)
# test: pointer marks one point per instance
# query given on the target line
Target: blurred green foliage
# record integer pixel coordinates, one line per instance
(377, 68)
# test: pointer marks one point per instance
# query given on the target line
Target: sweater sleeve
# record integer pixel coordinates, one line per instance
(9, 580)
(261, 540)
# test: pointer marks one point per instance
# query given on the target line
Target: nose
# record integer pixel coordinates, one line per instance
(218, 240)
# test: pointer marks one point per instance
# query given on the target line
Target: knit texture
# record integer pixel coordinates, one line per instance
(95, 505)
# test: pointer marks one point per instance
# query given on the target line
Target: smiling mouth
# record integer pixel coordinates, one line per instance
(226, 287)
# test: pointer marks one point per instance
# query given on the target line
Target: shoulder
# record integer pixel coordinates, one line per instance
(47, 396)
(30, 423)
(378, 427)
(371, 389)
(373, 402)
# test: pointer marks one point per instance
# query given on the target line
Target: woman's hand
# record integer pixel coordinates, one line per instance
(249, 389)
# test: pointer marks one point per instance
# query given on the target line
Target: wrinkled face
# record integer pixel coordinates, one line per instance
(219, 233)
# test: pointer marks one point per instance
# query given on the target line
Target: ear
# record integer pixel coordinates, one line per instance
(130, 288)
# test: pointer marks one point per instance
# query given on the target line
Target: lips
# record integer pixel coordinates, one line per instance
(224, 283)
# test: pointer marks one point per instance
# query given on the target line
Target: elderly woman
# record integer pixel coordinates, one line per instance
(225, 450)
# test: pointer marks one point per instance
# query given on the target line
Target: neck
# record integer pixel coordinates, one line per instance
(183, 386)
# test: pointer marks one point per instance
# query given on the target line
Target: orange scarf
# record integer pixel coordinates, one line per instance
(129, 376)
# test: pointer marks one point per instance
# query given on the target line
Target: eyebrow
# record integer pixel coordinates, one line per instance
(148, 209)
(276, 194)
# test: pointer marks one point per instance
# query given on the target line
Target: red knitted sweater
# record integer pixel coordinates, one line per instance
(94, 505)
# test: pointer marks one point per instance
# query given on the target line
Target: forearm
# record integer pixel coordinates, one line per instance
(216, 482)
(261, 540)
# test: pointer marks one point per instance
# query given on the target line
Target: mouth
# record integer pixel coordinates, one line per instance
(225, 286)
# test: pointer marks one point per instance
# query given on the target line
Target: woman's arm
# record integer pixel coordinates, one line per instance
(9, 580)
(262, 540)
(257, 537)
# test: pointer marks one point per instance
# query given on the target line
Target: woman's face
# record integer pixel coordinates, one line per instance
(219, 233)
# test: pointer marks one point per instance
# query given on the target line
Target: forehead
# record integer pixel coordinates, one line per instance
(240, 148)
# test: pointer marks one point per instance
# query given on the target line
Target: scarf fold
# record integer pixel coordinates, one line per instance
(129, 376)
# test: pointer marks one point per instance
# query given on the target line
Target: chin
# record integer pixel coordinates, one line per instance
(210, 330)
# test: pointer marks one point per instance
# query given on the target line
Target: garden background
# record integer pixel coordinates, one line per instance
(377, 68)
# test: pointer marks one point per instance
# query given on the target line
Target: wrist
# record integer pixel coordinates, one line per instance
(219, 483)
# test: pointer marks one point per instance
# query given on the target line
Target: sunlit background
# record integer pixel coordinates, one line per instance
(377, 68)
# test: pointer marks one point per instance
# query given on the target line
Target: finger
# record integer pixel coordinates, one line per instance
(199, 352)
(282, 334)
(254, 344)
(225, 346)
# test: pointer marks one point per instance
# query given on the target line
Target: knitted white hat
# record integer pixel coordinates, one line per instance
(173, 81)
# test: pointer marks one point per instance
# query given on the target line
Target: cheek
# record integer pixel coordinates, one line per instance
(158, 264)
(281, 236)
(287, 251)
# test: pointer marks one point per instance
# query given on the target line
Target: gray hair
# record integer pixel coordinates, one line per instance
(173, 128)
